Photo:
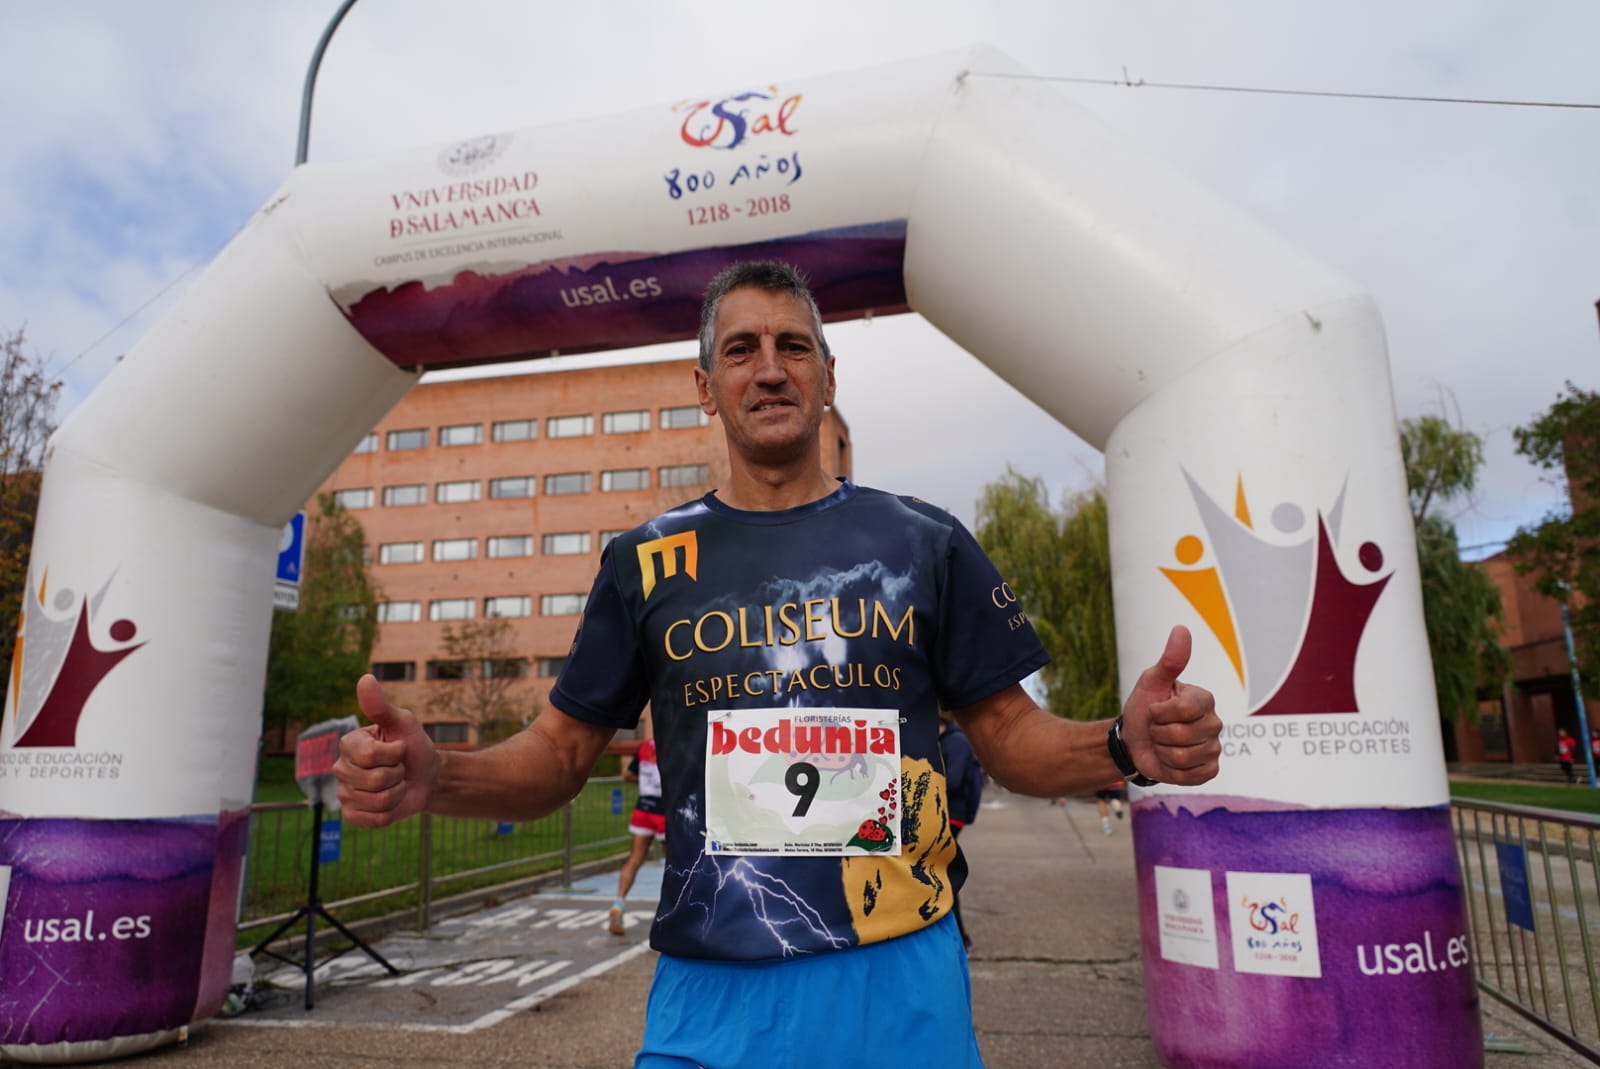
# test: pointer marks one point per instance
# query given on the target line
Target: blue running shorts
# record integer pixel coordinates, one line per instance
(905, 1001)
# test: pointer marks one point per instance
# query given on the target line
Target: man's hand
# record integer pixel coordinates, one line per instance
(1172, 729)
(385, 770)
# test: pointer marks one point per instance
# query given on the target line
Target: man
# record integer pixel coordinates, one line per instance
(794, 637)
(647, 824)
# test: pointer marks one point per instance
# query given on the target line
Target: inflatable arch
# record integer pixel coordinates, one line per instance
(1307, 900)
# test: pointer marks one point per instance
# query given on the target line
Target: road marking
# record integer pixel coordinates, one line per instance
(487, 1020)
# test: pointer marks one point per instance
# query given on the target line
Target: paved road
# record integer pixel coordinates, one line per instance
(538, 981)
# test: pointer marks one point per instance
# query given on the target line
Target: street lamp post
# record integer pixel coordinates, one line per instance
(1577, 694)
(304, 142)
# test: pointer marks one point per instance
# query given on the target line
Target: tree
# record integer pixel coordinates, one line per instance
(27, 418)
(1441, 462)
(1058, 563)
(1460, 603)
(1563, 551)
(319, 652)
(482, 678)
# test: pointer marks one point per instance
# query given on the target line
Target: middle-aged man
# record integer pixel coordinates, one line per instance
(795, 637)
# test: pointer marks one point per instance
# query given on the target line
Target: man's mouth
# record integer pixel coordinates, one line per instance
(771, 402)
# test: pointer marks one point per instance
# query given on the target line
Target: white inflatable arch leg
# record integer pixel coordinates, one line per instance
(1239, 389)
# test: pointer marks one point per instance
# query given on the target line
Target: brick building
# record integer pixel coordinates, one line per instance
(492, 497)
(1519, 724)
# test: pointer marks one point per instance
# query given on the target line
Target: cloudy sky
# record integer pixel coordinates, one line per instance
(139, 136)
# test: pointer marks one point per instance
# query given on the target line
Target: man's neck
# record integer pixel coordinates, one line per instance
(760, 489)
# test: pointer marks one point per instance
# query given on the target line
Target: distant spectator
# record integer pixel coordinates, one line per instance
(1108, 799)
(647, 824)
(1566, 748)
(964, 779)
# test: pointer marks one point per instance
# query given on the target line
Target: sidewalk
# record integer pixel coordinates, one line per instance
(1055, 967)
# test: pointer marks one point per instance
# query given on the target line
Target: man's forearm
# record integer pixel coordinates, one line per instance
(528, 776)
(1029, 751)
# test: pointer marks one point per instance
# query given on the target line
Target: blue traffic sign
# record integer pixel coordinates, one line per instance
(292, 549)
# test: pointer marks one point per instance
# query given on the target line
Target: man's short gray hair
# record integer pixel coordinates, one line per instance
(769, 275)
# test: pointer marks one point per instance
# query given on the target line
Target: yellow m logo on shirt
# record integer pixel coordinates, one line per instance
(662, 553)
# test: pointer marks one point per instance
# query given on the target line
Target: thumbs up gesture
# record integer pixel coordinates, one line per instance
(1171, 728)
(385, 770)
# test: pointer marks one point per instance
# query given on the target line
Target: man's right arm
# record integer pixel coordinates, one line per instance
(391, 770)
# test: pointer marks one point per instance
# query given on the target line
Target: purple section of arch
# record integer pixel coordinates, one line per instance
(1379, 878)
(115, 927)
(617, 300)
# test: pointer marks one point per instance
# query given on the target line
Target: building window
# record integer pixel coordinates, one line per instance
(683, 416)
(368, 444)
(447, 670)
(453, 493)
(447, 733)
(625, 479)
(366, 553)
(607, 536)
(455, 549)
(551, 666)
(568, 426)
(461, 434)
(625, 422)
(515, 430)
(399, 612)
(413, 438)
(509, 606)
(512, 486)
(510, 546)
(400, 553)
(450, 609)
(409, 494)
(561, 604)
(558, 545)
(395, 671)
(684, 475)
(571, 482)
(507, 668)
(354, 499)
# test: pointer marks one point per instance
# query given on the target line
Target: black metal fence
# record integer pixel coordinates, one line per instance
(379, 872)
(1533, 893)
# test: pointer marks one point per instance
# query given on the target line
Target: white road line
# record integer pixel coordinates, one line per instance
(493, 1017)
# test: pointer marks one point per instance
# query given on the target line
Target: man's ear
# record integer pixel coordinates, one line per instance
(702, 388)
(833, 384)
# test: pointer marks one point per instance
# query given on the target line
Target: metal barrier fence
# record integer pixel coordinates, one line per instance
(1533, 893)
(410, 864)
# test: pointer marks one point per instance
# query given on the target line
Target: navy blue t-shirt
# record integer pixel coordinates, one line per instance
(884, 607)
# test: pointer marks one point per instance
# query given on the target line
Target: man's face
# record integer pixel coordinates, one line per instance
(769, 380)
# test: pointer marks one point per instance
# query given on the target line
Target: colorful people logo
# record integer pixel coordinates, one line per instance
(1285, 613)
(57, 663)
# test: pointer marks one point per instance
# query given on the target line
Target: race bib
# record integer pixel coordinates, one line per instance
(803, 781)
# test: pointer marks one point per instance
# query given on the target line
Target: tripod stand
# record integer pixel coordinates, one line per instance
(310, 912)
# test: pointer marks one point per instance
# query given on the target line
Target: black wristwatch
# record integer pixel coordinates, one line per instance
(1123, 760)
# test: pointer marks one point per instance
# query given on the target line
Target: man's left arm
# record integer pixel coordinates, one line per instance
(1170, 728)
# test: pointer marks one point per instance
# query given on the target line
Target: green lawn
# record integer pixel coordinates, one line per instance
(1582, 799)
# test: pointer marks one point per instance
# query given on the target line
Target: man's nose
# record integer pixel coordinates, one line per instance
(770, 367)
